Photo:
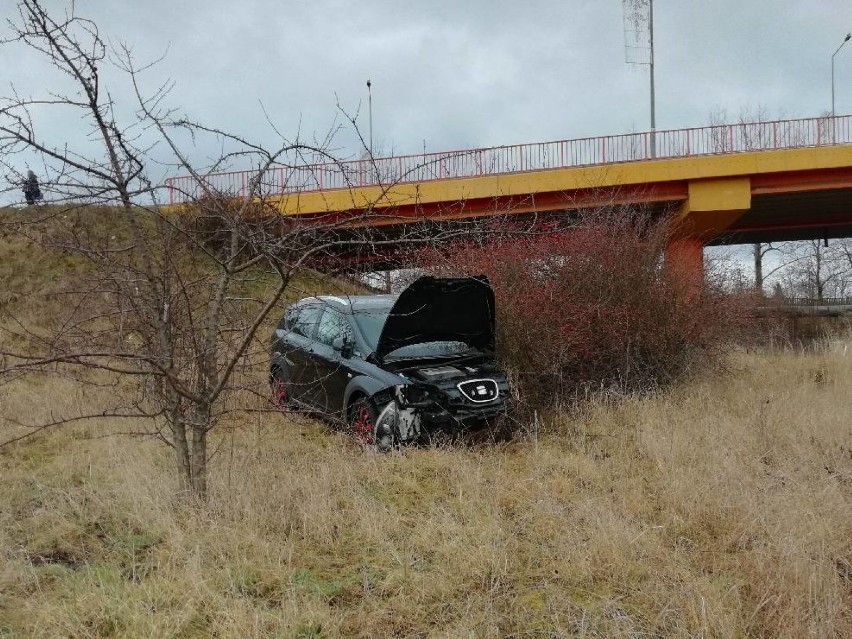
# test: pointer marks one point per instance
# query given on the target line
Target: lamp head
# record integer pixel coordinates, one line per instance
(848, 36)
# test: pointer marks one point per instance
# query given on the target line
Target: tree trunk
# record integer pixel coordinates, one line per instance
(758, 267)
(199, 460)
(820, 285)
(184, 463)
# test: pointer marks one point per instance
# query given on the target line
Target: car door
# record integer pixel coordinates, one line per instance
(331, 369)
(296, 344)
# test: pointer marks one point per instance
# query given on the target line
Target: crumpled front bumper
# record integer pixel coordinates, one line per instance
(404, 422)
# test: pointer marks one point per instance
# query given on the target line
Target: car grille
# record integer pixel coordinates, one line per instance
(479, 391)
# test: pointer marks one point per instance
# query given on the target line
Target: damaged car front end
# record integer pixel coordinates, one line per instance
(446, 399)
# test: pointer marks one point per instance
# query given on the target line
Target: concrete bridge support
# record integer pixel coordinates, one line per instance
(712, 205)
(685, 260)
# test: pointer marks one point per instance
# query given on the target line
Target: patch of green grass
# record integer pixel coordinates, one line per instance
(324, 587)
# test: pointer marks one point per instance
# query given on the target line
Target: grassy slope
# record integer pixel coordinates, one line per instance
(31, 277)
(720, 508)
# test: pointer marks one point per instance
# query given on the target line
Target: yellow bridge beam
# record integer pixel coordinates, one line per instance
(715, 185)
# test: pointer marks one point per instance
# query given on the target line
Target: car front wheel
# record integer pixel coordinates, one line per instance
(363, 417)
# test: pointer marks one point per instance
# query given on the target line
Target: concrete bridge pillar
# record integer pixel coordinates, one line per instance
(685, 260)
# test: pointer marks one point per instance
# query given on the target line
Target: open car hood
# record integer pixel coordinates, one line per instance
(441, 309)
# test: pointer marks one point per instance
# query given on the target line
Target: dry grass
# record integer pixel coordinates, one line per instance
(719, 509)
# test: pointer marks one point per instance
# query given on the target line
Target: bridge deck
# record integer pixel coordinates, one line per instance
(736, 181)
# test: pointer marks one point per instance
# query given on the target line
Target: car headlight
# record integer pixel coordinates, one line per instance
(415, 394)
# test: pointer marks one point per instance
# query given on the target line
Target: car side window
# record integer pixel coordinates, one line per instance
(306, 320)
(333, 324)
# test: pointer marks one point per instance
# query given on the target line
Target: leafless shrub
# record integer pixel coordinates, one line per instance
(594, 307)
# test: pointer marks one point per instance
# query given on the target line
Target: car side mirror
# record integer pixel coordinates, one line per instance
(344, 345)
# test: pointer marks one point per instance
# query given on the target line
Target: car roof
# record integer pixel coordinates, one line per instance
(351, 303)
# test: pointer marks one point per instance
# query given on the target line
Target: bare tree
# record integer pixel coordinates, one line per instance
(720, 142)
(815, 269)
(755, 133)
(759, 251)
(844, 246)
(173, 305)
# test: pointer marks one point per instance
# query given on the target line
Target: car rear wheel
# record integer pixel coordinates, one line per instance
(280, 389)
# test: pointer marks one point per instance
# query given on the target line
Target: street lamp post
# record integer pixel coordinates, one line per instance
(388, 276)
(370, 112)
(836, 51)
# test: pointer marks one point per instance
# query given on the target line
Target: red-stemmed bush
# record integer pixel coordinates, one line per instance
(595, 307)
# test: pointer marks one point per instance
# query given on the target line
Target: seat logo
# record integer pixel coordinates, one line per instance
(479, 391)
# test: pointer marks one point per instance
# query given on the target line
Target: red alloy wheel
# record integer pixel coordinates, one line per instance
(280, 393)
(363, 424)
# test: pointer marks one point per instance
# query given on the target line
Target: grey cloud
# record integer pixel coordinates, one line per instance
(479, 72)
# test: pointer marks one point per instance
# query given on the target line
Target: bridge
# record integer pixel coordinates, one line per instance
(810, 307)
(723, 184)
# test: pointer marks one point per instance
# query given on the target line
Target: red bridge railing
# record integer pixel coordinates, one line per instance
(631, 147)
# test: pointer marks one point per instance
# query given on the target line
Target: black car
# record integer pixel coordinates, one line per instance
(394, 369)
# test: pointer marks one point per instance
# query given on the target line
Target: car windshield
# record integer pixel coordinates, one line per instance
(372, 322)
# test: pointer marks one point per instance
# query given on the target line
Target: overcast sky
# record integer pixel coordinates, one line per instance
(466, 73)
